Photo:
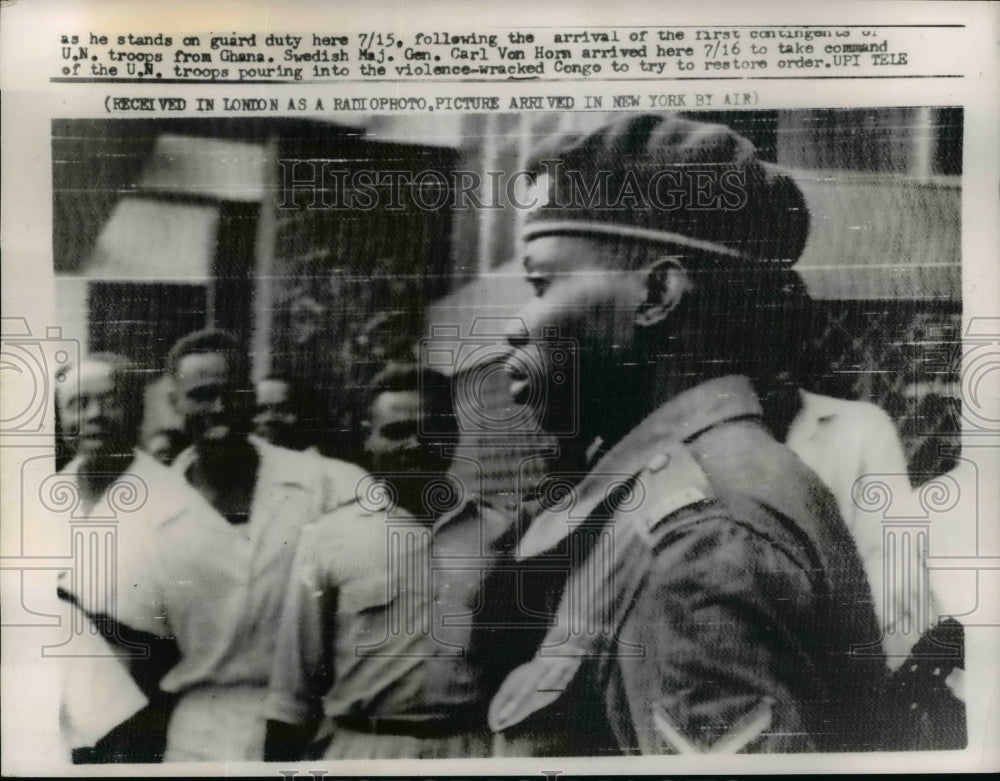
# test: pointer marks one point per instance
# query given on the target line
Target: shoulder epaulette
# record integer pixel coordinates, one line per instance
(671, 481)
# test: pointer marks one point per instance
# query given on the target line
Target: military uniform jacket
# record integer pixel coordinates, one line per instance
(383, 618)
(713, 600)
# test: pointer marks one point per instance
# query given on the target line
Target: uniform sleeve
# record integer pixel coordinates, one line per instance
(302, 670)
(720, 621)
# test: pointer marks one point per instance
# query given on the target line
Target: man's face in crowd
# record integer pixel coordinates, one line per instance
(275, 420)
(582, 299)
(394, 444)
(94, 412)
(213, 402)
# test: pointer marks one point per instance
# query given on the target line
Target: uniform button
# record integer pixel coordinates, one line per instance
(660, 460)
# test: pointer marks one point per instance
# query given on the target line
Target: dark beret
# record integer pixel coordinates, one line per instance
(663, 178)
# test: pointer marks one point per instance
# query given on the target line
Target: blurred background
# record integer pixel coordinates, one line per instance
(165, 226)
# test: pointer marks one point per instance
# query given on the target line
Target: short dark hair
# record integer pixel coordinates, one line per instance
(754, 315)
(434, 387)
(759, 319)
(211, 340)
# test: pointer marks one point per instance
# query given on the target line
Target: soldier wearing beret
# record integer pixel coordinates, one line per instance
(713, 596)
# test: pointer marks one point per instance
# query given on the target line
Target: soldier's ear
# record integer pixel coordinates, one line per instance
(667, 282)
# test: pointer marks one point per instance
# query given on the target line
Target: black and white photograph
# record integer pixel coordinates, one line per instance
(511, 435)
(478, 390)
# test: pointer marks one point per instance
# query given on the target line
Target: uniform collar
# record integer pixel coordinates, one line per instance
(682, 419)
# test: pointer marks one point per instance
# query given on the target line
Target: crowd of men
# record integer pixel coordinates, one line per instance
(706, 589)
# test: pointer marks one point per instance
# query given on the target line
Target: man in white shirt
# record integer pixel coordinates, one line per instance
(111, 708)
(222, 580)
(854, 448)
